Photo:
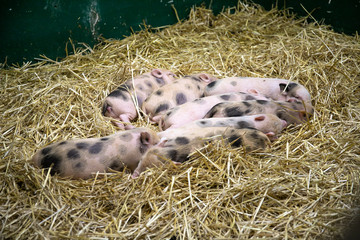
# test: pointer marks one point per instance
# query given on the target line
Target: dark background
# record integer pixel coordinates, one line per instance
(31, 28)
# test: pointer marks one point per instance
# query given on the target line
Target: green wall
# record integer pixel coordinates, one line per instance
(30, 28)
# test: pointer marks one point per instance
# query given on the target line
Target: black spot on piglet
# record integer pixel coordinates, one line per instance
(162, 107)
(53, 161)
(46, 150)
(182, 140)
(233, 112)
(82, 145)
(96, 148)
(73, 154)
(243, 124)
(235, 140)
(225, 97)
(180, 99)
(211, 85)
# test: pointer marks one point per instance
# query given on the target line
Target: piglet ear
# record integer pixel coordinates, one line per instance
(271, 135)
(205, 77)
(145, 138)
(253, 91)
(260, 118)
(157, 73)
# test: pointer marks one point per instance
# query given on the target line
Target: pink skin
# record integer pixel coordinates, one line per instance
(168, 96)
(194, 110)
(276, 89)
(269, 124)
(123, 106)
(82, 158)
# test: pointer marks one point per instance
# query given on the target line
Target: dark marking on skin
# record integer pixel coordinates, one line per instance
(195, 78)
(212, 84)
(235, 140)
(149, 84)
(180, 99)
(249, 97)
(115, 165)
(96, 148)
(182, 140)
(126, 137)
(287, 87)
(162, 107)
(247, 111)
(183, 158)
(159, 92)
(243, 124)
(188, 86)
(199, 100)
(140, 100)
(262, 102)
(203, 122)
(247, 104)
(160, 81)
(46, 150)
(73, 154)
(126, 87)
(225, 97)
(259, 141)
(233, 83)
(79, 165)
(140, 87)
(104, 108)
(172, 154)
(198, 87)
(51, 160)
(63, 143)
(233, 112)
(119, 94)
(142, 146)
(82, 145)
(104, 139)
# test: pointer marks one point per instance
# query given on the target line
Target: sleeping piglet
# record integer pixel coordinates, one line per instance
(182, 142)
(121, 103)
(81, 158)
(269, 124)
(276, 89)
(196, 109)
(292, 112)
(185, 89)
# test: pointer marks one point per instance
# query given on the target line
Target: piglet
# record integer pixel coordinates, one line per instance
(81, 158)
(269, 124)
(121, 103)
(185, 89)
(293, 112)
(182, 142)
(190, 111)
(276, 89)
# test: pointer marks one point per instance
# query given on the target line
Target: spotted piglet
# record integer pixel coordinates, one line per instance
(81, 158)
(269, 124)
(293, 112)
(182, 142)
(273, 88)
(185, 89)
(194, 110)
(121, 103)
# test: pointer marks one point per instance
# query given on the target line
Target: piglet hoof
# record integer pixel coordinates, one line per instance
(135, 174)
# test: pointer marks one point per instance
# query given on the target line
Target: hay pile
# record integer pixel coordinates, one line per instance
(305, 187)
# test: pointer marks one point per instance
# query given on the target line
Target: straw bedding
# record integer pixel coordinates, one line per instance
(306, 186)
